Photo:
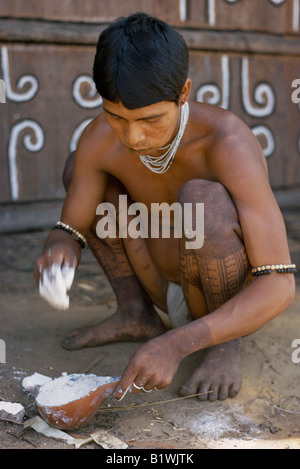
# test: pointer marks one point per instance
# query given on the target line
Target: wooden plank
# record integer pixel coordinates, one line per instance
(31, 216)
(31, 31)
(258, 15)
(248, 15)
(70, 10)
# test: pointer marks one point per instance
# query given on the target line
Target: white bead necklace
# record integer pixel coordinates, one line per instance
(162, 163)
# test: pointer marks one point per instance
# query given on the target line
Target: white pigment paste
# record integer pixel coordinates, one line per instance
(33, 383)
(12, 408)
(57, 281)
(69, 388)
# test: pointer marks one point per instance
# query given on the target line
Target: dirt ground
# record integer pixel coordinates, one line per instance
(265, 414)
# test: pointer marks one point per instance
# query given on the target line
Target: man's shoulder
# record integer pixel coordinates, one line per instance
(97, 138)
(215, 120)
(97, 131)
(224, 131)
(230, 143)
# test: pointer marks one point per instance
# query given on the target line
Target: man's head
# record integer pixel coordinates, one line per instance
(140, 61)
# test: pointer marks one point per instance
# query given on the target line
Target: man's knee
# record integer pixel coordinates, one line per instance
(220, 214)
(202, 190)
(68, 171)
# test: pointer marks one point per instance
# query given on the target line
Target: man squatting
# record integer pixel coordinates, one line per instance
(213, 295)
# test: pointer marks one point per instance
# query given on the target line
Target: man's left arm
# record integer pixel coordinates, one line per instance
(238, 163)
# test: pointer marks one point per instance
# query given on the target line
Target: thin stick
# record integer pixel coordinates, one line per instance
(287, 411)
(136, 406)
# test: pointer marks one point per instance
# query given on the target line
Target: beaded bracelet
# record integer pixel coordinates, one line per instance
(280, 268)
(71, 231)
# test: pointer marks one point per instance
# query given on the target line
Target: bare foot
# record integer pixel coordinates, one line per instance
(220, 374)
(122, 326)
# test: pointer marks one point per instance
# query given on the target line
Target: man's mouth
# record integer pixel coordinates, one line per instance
(140, 150)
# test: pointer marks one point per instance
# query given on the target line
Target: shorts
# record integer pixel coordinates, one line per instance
(178, 310)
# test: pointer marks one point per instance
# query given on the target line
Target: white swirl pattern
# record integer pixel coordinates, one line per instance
(30, 145)
(263, 94)
(10, 94)
(211, 8)
(91, 103)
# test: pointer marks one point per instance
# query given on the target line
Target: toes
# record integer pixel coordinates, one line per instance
(213, 393)
(223, 392)
(205, 391)
(234, 390)
(196, 386)
(188, 389)
(75, 340)
(208, 391)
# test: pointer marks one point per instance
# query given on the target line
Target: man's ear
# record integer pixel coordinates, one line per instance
(185, 93)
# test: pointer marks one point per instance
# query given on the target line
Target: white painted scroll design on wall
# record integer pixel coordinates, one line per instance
(210, 93)
(277, 2)
(93, 102)
(212, 12)
(263, 94)
(23, 81)
(263, 130)
(183, 10)
(296, 15)
(36, 131)
(264, 98)
(77, 133)
(32, 145)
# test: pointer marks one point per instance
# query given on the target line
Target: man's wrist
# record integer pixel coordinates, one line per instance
(189, 338)
(59, 236)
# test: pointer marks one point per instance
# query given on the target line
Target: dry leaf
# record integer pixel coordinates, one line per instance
(40, 426)
(107, 441)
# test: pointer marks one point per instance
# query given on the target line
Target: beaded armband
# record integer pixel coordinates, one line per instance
(71, 231)
(280, 268)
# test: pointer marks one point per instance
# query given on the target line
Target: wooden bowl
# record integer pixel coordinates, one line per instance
(76, 413)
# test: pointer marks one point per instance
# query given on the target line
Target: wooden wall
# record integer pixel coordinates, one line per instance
(244, 56)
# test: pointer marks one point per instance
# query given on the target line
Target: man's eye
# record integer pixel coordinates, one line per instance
(112, 116)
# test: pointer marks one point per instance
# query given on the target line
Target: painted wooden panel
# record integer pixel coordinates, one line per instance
(257, 89)
(44, 116)
(41, 118)
(258, 15)
(50, 95)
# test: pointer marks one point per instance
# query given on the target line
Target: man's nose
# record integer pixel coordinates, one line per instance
(134, 135)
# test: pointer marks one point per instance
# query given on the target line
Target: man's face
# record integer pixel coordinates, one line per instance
(146, 129)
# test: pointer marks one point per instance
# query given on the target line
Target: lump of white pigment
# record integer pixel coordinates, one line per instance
(11, 411)
(57, 281)
(32, 384)
(69, 388)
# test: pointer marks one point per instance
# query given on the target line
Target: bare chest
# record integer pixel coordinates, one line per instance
(147, 187)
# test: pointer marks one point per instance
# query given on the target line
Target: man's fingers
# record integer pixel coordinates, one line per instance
(132, 380)
(121, 391)
(123, 394)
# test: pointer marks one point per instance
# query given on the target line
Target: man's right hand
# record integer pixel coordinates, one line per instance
(55, 268)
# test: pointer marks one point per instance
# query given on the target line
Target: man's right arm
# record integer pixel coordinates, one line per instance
(86, 191)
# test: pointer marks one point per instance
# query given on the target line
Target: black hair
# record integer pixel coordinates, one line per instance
(140, 60)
